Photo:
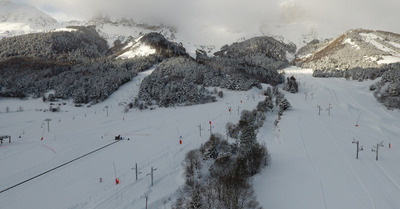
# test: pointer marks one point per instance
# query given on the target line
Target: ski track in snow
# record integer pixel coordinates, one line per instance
(312, 165)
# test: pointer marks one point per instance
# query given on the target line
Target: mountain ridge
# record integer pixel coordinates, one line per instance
(357, 48)
(19, 19)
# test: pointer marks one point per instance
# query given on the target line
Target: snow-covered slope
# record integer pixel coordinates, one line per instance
(18, 19)
(136, 49)
(313, 159)
(154, 142)
(356, 48)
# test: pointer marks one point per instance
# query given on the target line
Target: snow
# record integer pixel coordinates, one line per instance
(65, 30)
(389, 59)
(137, 50)
(19, 19)
(154, 142)
(290, 56)
(394, 56)
(397, 45)
(352, 43)
(313, 159)
(371, 38)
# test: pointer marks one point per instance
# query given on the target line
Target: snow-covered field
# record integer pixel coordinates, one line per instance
(313, 159)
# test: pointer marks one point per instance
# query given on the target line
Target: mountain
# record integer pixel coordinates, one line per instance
(151, 43)
(78, 62)
(17, 19)
(357, 48)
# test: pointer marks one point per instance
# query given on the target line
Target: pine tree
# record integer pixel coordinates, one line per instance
(247, 139)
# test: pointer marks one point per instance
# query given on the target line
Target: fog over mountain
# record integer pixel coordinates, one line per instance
(213, 22)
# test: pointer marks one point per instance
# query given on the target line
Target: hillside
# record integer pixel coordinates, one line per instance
(19, 19)
(77, 63)
(354, 49)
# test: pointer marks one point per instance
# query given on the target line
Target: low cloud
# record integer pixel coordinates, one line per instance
(291, 19)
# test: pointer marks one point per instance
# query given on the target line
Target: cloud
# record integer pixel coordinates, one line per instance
(237, 18)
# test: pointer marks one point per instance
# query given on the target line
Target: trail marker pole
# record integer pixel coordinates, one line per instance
(358, 119)
(107, 109)
(136, 171)
(210, 128)
(200, 129)
(146, 200)
(115, 172)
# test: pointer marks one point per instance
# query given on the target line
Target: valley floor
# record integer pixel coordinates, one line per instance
(313, 161)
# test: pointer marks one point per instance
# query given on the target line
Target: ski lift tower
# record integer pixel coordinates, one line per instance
(48, 124)
(376, 149)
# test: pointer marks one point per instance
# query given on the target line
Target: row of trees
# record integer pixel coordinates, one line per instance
(218, 173)
(387, 90)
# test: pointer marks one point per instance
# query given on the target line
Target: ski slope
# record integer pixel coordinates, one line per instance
(154, 137)
(313, 159)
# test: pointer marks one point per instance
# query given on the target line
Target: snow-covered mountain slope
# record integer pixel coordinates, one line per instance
(313, 159)
(18, 19)
(126, 30)
(149, 44)
(356, 48)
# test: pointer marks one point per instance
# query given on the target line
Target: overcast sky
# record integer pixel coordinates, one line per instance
(289, 18)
